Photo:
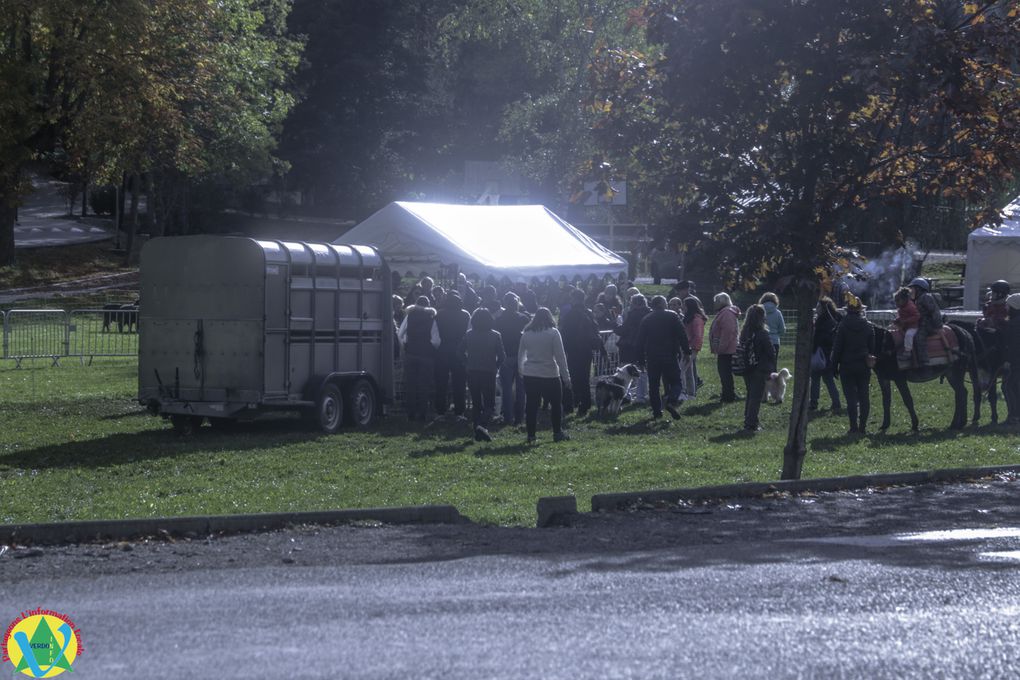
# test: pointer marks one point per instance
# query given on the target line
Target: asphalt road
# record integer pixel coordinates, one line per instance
(862, 585)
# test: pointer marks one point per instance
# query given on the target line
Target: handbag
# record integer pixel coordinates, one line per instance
(818, 361)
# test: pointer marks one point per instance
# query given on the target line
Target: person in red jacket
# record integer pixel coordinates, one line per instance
(722, 340)
(907, 318)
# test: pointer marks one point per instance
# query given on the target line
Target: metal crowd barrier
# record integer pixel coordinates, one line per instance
(56, 334)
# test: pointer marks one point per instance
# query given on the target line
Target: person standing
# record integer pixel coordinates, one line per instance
(630, 350)
(1011, 384)
(580, 334)
(694, 324)
(543, 364)
(483, 352)
(419, 335)
(827, 319)
(760, 360)
(510, 324)
(661, 339)
(722, 340)
(774, 321)
(452, 321)
(853, 353)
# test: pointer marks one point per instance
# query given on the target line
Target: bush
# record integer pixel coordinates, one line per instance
(103, 200)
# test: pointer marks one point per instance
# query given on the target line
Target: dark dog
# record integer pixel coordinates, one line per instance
(609, 392)
(122, 315)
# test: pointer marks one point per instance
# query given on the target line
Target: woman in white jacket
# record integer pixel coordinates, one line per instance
(543, 365)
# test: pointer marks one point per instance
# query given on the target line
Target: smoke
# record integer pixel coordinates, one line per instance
(877, 279)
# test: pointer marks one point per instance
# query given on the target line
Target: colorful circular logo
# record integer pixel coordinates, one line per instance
(41, 643)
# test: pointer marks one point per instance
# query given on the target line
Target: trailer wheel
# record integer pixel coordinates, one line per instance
(329, 409)
(361, 403)
(185, 425)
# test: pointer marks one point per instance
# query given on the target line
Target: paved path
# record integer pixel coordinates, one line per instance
(43, 220)
(879, 583)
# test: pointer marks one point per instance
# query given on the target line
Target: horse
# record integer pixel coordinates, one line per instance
(962, 362)
(990, 358)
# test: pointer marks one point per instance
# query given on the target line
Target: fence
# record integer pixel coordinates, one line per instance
(56, 334)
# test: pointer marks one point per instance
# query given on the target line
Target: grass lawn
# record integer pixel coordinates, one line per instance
(75, 445)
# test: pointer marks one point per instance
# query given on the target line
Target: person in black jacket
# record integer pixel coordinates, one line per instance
(510, 324)
(854, 344)
(630, 350)
(1011, 384)
(483, 351)
(661, 339)
(452, 321)
(755, 341)
(827, 319)
(580, 335)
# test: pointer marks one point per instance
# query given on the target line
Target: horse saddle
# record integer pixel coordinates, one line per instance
(942, 349)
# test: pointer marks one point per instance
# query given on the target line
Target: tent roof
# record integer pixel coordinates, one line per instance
(517, 241)
(1010, 227)
(993, 253)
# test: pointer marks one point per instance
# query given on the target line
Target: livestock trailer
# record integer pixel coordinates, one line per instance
(232, 327)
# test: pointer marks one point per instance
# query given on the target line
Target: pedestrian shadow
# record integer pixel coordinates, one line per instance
(517, 449)
(705, 409)
(641, 427)
(732, 436)
(441, 450)
(878, 438)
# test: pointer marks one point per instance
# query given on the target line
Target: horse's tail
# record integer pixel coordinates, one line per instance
(968, 344)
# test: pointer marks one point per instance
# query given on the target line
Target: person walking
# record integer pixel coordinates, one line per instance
(661, 339)
(722, 341)
(543, 365)
(630, 351)
(580, 333)
(774, 321)
(452, 321)
(483, 352)
(419, 336)
(694, 324)
(760, 360)
(827, 319)
(510, 324)
(853, 351)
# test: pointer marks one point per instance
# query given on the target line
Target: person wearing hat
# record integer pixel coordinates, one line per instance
(931, 317)
(681, 289)
(995, 313)
(852, 353)
(1011, 385)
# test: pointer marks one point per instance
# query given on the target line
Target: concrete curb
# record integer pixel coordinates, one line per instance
(119, 530)
(610, 502)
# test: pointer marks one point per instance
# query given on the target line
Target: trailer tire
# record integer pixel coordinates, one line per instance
(329, 409)
(361, 403)
(185, 425)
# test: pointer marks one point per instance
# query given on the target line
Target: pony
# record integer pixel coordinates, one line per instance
(962, 363)
(990, 358)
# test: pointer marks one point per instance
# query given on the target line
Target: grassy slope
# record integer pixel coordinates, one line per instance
(74, 445)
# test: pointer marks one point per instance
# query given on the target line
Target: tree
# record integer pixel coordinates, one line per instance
(771, 128)
(186, 90)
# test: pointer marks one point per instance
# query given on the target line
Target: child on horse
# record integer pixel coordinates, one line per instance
(995, 311)
(907, 318)
(931, 317)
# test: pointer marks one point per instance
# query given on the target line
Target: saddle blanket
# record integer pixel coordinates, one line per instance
(942, 347)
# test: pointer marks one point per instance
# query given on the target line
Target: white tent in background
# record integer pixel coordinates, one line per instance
(993, 253)
(515, 241)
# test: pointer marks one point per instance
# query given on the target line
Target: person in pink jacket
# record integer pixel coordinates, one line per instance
(722, 339)
(694, 322)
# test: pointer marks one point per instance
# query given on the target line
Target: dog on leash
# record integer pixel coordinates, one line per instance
(775, 386)
(609, 392)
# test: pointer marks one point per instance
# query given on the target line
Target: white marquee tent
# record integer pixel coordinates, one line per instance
(516, 241)
(993, 253)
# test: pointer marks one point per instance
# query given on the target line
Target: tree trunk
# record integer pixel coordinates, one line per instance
(132, 222)
(8, 216)
(806, 297)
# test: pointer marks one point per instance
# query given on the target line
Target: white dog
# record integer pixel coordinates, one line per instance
(775, 386)
(609, 392)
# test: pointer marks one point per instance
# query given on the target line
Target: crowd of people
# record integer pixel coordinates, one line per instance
(464, 340)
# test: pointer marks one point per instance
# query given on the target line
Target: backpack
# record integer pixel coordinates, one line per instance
(746, 359)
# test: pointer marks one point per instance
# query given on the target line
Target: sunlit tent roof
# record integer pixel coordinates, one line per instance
(516, 241)
(993, 253)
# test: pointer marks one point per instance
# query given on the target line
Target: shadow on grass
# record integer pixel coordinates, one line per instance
(443, 450)
(878, 438)
(705, 409)
(641, 427)
(736, 435)
(128, 448)
(122, 416)
(515, 449)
